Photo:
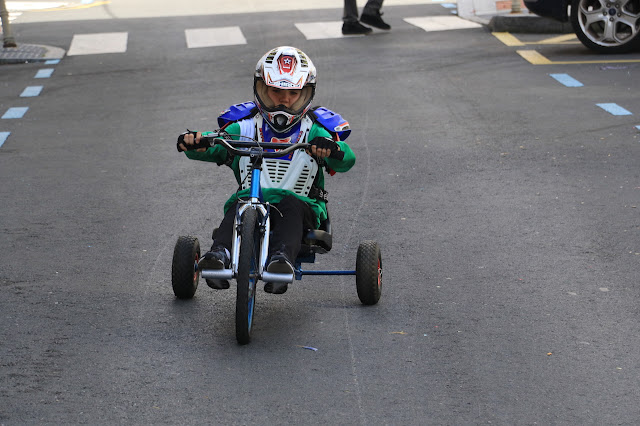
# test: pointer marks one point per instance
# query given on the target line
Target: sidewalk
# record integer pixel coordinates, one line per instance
(524, 22)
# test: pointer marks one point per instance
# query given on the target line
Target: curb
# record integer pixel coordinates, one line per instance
(528, 24)
(29, 53)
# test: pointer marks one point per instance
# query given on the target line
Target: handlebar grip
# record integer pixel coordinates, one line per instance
(204, 143)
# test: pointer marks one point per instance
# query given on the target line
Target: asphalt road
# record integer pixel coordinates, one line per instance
(505, 203)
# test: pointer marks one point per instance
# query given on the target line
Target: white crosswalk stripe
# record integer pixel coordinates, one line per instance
(90, 44)
(211, 37)
(320, 30)
(441, 23)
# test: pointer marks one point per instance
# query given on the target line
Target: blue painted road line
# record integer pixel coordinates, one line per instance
(44, 73)
(614, 109)
(638, 127)
(567, 80)
(16, 112)
(449, 5)
(52, 62)
(3, 137)
(31, 91)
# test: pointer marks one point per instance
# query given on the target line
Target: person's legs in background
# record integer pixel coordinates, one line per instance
(371, 15)
(350, 23)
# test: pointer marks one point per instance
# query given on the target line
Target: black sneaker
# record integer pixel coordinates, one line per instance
(279, 264)
(355, 28)
(217, 258)
(375, 21)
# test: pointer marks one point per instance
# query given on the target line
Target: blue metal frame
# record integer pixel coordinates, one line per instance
(255, 187)
(299, 273)
(311, 259)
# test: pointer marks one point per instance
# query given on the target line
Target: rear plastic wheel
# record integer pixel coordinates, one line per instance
(369, 272)
(184, 267)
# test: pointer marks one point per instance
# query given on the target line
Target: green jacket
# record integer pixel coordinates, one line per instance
(218, 154)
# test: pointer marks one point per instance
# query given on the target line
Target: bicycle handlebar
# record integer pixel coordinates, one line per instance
(232, 147)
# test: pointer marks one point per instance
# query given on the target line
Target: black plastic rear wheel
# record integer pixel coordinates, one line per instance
(184, 267)
(247, 275)
(369, 272)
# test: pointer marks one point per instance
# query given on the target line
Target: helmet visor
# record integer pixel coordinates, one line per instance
(298, 107)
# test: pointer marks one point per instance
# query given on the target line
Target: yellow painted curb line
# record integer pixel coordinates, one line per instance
(536, 58)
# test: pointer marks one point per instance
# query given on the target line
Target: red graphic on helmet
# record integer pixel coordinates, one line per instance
(287, 64)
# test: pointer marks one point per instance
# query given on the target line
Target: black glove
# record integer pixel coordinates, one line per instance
(326, 143)
(181, 140)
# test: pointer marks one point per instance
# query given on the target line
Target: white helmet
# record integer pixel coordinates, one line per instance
(287, 68)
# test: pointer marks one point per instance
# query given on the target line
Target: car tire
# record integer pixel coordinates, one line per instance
(612, 28)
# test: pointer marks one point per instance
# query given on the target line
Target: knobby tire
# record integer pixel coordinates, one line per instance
(247, 276)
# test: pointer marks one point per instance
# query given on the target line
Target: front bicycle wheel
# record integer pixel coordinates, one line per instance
(247, 275)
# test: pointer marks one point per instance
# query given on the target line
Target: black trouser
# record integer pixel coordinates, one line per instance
(289, 220)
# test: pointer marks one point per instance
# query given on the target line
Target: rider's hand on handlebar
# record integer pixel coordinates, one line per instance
(322, 147)
(189, 139)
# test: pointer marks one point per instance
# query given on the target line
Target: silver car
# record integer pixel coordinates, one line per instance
(606, 26)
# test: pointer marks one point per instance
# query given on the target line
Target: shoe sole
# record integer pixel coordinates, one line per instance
(374, 25)
(280, 268)
(210, 264)
(218, 285)
(276, 288)
(363, 33)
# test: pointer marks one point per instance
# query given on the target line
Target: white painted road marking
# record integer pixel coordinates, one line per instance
(614, 109)
(31, 91)
(99, 43)
(567, 80)
(320, 30)
(15, 112)
(441, 23)
(3, 137)
(90, 44)
(209, 37)
(44, 73)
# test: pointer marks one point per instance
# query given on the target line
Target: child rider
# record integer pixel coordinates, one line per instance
(284, 86)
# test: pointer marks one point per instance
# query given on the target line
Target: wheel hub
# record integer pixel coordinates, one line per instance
(612, 11)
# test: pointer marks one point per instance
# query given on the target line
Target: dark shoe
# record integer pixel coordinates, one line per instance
(279, 264)
(375, 21)
(276, 288)
(217, 284)
(355, 28)
(217, 258)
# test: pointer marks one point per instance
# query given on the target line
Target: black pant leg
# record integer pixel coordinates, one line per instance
(289, 220)
(224, 234)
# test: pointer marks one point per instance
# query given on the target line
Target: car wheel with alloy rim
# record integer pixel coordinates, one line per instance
(607, 26)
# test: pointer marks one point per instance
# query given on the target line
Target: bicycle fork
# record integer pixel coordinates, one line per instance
(264, 228)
